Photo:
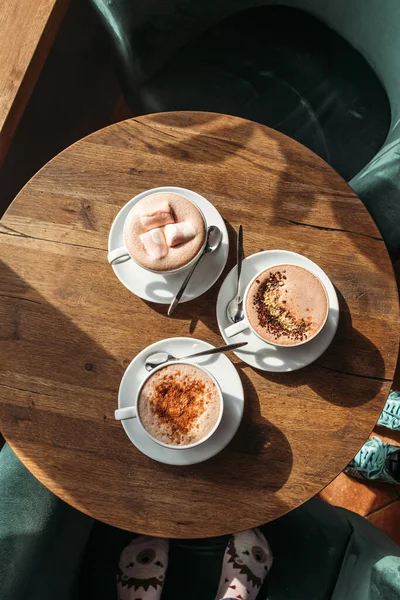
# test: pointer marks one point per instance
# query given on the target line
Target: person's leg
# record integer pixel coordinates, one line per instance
(390, 416)
(246, 562)
(376, 461)
(142, 568)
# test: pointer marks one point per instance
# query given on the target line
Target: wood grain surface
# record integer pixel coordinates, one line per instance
(69, 328)
(27, 30)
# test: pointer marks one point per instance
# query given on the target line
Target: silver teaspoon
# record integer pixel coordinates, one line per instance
(214, 237)
(235, 307)
(159, 358)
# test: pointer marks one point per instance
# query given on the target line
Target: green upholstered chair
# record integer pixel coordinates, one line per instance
(49, 551)
(42, 539)
(325, 72)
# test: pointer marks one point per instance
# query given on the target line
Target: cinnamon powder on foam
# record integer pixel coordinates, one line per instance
(179, 404)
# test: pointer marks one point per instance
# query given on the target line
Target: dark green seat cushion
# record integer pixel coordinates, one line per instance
(41, 538)
(378, 186)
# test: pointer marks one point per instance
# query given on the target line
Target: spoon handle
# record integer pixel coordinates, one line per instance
(217, 350)
(178, 295)
(239, 258)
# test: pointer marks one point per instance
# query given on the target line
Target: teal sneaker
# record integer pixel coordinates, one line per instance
(376, 461)
(390, 416)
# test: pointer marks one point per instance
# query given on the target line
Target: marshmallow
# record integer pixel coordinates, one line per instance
(179, 233)
(154, 243)
(155, 214)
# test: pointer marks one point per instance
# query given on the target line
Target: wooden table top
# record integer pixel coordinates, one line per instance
(69, 328)
(27, 30)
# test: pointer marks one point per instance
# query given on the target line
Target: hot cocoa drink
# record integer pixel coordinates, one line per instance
(164, 231)
(287, 305)
(179, 405)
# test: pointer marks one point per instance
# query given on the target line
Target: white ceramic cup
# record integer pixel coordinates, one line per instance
(122, 254)
(245, 324)
(131, 412)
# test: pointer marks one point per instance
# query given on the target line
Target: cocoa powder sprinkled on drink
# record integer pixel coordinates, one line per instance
(179, 404)
(272, 313)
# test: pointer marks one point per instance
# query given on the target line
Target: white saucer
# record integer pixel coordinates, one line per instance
(162, 288)
(224, 372)
(262, 355)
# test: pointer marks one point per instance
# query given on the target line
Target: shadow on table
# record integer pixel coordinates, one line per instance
(215, 146)
(60, 387)
(62, 435)
(350, 373)
(354, 354)
(329, 188)
(270, 452)
(221, 142)
(48, 347)
(264, 442)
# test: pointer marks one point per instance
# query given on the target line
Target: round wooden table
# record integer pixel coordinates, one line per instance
(69, 328)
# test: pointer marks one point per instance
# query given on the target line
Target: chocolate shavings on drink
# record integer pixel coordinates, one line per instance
(273, 314)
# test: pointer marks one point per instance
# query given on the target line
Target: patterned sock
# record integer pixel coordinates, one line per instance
(142, 567)
(247, 560)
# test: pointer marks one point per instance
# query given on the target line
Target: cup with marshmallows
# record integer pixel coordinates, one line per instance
(163, 233)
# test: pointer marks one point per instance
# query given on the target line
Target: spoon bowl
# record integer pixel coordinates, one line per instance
(214, 237)
(235, 310)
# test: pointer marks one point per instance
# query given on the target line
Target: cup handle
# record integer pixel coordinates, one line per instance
(128, 412)
(237, 328)
(119, 254)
